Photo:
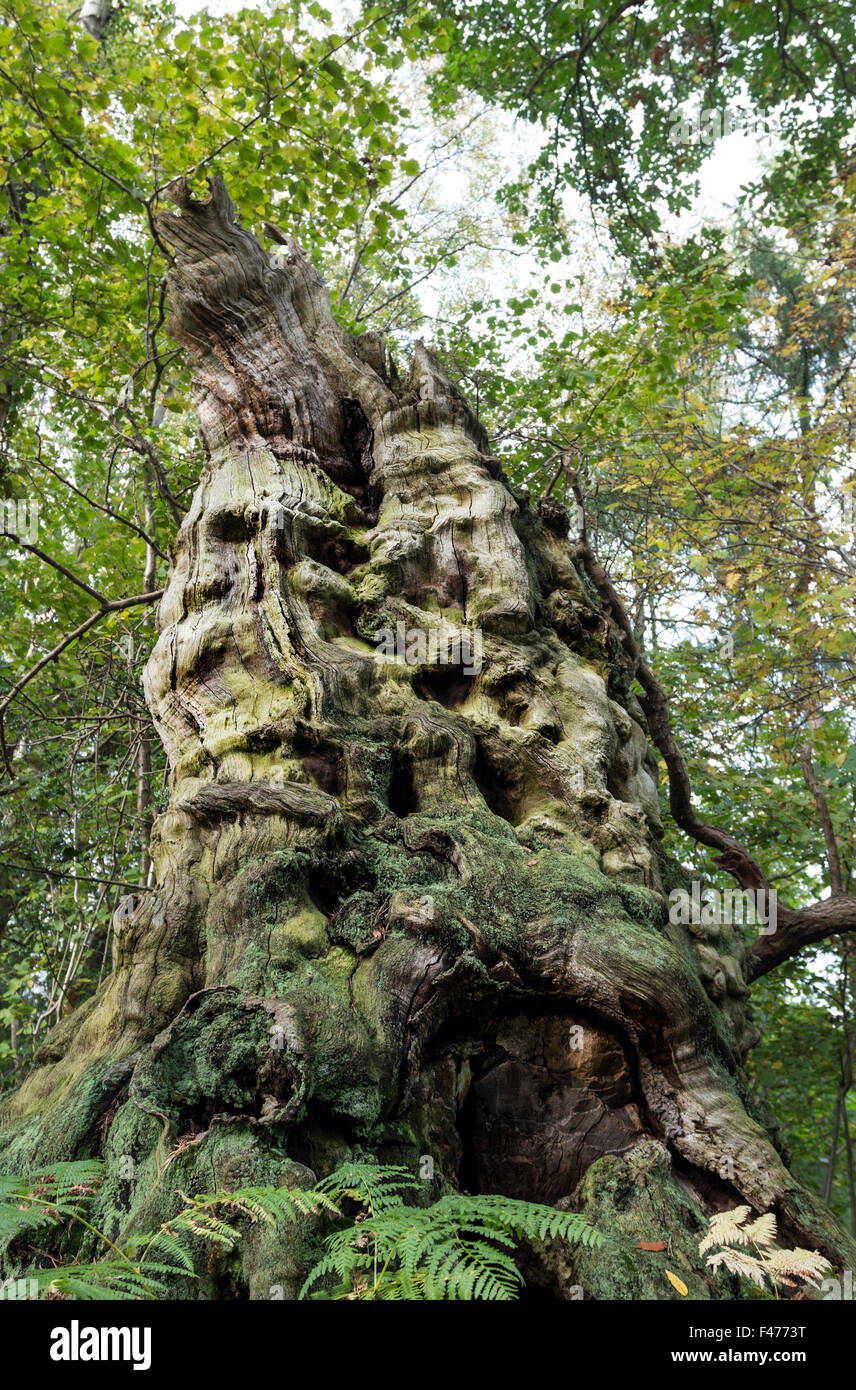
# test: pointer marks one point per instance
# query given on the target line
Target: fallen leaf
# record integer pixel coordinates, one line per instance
(677, 1283)
(651, 1245)
(531, 862)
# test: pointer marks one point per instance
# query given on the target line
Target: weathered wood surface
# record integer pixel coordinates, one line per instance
(392, 899)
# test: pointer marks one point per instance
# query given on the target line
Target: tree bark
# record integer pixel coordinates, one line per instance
(402, 910)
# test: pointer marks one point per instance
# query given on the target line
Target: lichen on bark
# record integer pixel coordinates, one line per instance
(401, 910)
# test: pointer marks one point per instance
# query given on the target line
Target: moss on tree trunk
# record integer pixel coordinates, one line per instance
(404, 910)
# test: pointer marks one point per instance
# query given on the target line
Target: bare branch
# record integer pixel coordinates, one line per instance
(55, 564)
(795, 927)
(107, 606)
(832, 855)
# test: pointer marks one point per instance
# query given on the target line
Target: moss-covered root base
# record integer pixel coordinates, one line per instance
(633, 1199)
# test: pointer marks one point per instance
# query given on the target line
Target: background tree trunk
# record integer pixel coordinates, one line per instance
(402, 911)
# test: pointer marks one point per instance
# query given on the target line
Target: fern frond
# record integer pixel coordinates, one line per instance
(46, 1196)
(105, 1279)
(279, 1205)
(375, 1187)
(726, 1228)
(208, 1227)
(460, 1248)
(87, 1291)
(529, 1220)
(61, 1178)
(740, 1262)
(471, 1270)
(326, 1265)
(763, 1231)
(803, 1264)
(164, 1244)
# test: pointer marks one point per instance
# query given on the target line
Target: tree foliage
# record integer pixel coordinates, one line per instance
(694, 385)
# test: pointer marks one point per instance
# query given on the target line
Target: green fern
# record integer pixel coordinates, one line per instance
(376, 1187)
(164, 1245)
(108, 1278)
(45, 1198)
(147, 1264)
(459, 1248)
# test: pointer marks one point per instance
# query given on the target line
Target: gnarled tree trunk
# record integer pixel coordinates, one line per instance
(403, 910)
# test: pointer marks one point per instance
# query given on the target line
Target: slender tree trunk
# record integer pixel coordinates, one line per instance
(145, 782)
(829, 1178)
(405, 909)
(851, 1174)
